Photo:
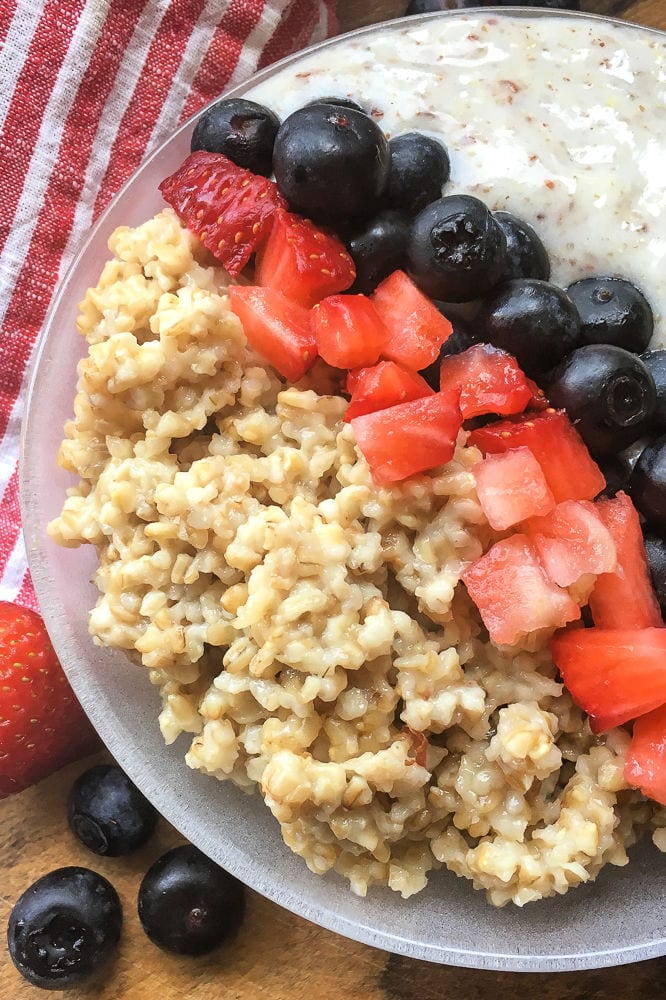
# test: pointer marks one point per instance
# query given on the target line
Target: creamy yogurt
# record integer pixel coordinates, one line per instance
(559, 119)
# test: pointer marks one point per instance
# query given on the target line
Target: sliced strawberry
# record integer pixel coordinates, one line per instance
(645, 764)
(279, 329)
(348, 331)
(409, 437)
(571, 541)
(570, 471)
(511, 487)
(229, 208)
(624, 598)
(381, 386)
(303, 261)
(613, 674)
(416, 328)
(490, 380)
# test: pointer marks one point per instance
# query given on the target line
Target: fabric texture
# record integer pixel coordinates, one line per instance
(88, 88)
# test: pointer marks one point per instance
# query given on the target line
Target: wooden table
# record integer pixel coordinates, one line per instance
(277, 956)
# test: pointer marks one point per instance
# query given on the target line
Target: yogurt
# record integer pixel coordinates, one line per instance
(559, 119)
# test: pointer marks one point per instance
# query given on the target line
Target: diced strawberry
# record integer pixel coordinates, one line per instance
(303, 261)
(277, 327)
(613, 674)
(624, 598)
(645, 764)
(513, 594)
(571, 541)
(570, 471)
(348, 331)
(229, 208)
(511, 487)
(416, 328)
(381, 386)
(409, 437)
(490, 381)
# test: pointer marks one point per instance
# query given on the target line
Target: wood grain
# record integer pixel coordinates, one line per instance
(276, 956)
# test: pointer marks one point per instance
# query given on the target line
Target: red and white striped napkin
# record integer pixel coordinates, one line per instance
(87, 89)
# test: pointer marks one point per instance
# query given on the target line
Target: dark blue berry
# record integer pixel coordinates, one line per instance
(616, 475)
(378, 248)
(338, 102)
(612, 311)
(108, 813)
(420, 168)
(647, 483)
(655, 362)
(331, 163)
(534, 320)
(655, 546)
(240, 129)
(526, 256)
(64, 928)
(456, 250)
(608, 393)
(188, 904)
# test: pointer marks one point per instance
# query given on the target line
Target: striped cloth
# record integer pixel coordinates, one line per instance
(87, 89)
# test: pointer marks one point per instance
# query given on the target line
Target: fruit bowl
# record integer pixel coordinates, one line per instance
(447, 922)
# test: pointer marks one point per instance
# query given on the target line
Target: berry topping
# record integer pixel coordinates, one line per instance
(489, 379)
(108, 813)
(608, 393)
(331, 163)
(64, 928)
(381, 386)
(612, 311)
(655, 362)
(534, 320)
(337, 102)
(378, 249)
(279, 329)
(647, 483)
(526, 254)
(645, 764)
(348, 331)
(420, 168)
(188, 904)
(243, 130)
(456, 250)
(416, 329)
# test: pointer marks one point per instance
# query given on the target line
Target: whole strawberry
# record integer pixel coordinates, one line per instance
(42, 725)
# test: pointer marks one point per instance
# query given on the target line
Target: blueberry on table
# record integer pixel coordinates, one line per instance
(420, 167)
(331, 163)
(612, 311)
(64, 928)
(378, 248)
(608, 393)
(188, 904)
(240, 129)
(532, 319)
(526, 256)
(655, 362)
(647, 483)
(108, 813)
(655, 546)
(456, 250)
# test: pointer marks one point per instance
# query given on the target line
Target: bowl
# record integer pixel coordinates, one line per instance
(614, 920)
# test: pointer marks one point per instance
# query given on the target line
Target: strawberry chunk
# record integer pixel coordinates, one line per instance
(416, 328)
(409, 437)
(381, 386)
(490, 380)
(303, 261)
(279, 329)
(511, 487)
(513, 593)
(570, 471)
(348, 331)
(613, 674)
(625, 598)
(645, 764)
(571, 541)
(229, 208)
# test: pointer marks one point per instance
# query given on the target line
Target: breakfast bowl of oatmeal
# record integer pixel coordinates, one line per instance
(343, 486)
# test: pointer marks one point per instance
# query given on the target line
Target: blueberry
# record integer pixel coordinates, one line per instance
(240, 129)
(616, 475)
(378, 248)
(338, 102)
(655, 546)
(526, 254)
(608, 393)
(655, 362)
(458, 341)
(189, 905)
(647, 483)
(456, 250)
(534, 320)
(108, 813)
(331, 163)
(64, 928)
(612, 311)
(420, 168)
